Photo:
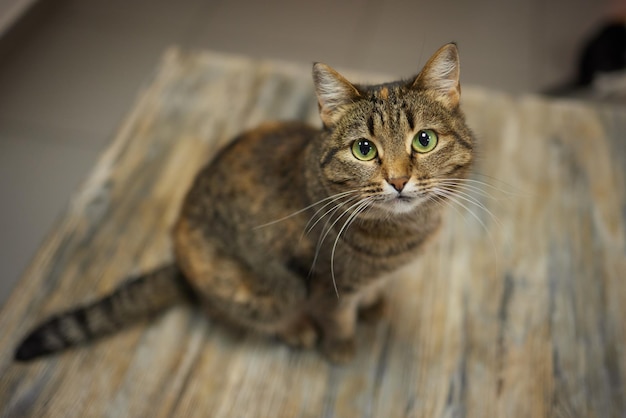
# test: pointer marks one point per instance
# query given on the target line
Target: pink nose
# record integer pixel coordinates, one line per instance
(398, 183)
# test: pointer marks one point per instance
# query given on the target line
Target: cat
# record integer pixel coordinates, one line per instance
(293, 230)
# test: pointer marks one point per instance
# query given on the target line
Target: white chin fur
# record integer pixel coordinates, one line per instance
(401, 206)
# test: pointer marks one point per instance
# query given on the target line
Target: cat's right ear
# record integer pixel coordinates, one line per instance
(334, 93)
(440, 75)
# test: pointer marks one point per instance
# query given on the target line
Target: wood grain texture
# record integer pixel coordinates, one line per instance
(517, 310)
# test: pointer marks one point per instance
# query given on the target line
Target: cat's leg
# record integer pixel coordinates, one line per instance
(300, 332)
(372, 304)
(337, 317)
(242, 299)
(337, 320)
(273, 304)
(266, 306)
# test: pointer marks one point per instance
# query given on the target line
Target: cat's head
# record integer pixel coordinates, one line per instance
(394, 143)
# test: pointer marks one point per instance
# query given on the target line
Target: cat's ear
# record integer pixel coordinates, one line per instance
(441, 75)
(333, 91)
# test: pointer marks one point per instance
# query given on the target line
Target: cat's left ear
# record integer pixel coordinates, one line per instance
(334, 93)
(441, 75)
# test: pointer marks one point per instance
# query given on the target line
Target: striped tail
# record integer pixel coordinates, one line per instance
(133, 300)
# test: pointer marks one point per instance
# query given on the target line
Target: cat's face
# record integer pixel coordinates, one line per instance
(395, 145)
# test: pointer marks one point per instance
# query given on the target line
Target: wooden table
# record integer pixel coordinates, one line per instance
(518, 309)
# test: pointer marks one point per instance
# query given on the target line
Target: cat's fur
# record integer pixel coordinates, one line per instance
(248, 251)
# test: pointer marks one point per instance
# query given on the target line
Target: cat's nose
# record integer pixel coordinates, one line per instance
(398, 183)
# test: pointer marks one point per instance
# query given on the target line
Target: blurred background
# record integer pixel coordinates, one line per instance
(70, 69)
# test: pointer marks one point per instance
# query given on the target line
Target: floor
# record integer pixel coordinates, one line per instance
(70, 69)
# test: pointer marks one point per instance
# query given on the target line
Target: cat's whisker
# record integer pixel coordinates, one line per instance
(442, 203)
(515, 191)
(439, 202)
(468, 187)
(308, 227)
(444, 194)
(335, 196)
(326, 229)
(362, 206)
(352, 206)
(470, 199)
(452, 197)
(480, 183)
(479, 186)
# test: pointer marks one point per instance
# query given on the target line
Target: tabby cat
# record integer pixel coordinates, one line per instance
(292, 230)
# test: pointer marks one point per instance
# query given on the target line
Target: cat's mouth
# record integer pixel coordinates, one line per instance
(401, 202)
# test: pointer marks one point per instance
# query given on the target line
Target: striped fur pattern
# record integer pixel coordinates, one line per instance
(135, 299)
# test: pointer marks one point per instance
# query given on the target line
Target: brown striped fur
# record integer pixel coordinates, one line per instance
(135, 299)
(287, 233)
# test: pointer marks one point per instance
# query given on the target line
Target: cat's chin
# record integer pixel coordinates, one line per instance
(402, 205)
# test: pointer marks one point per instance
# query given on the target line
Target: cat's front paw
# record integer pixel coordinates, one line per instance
(374, 312)
(339, 351)
(301, 334)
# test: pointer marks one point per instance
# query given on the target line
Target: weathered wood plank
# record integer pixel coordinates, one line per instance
(516, 310)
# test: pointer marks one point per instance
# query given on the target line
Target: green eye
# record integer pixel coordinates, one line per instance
(364, 150)
(425, 141)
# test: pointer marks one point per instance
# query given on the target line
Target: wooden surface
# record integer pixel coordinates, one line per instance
(518, 311)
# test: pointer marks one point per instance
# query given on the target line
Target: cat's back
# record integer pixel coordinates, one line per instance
(257, 178)
(267, 149)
